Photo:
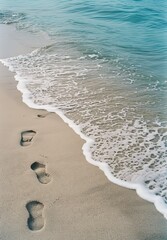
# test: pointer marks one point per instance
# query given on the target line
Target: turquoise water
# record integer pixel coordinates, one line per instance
(106, 73)
(134, 30)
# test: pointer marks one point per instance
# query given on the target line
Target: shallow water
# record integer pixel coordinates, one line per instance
(105, 71)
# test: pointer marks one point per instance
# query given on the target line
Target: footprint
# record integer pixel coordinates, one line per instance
(40, 170)
(26, 137)
(35, 221)
(41, 115)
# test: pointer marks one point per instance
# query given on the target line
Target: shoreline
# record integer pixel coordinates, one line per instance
(79, 202)
(36, 42)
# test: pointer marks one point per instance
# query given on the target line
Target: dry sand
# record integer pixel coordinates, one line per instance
(47, 189)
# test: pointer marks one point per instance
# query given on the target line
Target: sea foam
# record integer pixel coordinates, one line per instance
(126, 143)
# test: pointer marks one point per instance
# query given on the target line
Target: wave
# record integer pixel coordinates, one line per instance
(116, 114)
(10, 17)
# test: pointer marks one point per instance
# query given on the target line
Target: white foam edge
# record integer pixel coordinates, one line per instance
(140, 189)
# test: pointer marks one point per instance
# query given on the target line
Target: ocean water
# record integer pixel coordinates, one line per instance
(105, 75)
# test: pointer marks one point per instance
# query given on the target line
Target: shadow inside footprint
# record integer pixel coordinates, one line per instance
(40, 170)
(35, 221)
(27, 137)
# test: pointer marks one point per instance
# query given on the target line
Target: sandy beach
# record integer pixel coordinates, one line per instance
(48, 190)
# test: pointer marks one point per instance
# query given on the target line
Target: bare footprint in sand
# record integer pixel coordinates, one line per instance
(40, 170)
(36, 220)
(41, 115)
(27, 137)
